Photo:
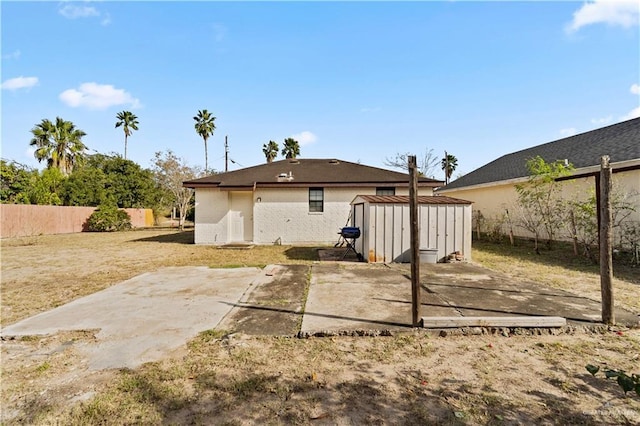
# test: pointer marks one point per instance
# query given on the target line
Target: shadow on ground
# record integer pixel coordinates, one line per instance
(302, 253)
(172, 237)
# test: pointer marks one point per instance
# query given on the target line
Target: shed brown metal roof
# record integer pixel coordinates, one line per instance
(404, 199)
(308, 172)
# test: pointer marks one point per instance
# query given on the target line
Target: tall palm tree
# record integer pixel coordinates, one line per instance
(270, 150)
(291, 148)
(129, 122)
(60, 144)
(449, 164)
(204, 127)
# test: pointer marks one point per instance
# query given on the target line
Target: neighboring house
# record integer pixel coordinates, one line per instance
(302, 201)
(492, 186)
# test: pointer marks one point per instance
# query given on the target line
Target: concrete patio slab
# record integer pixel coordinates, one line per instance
(349, 296)
(141, 319)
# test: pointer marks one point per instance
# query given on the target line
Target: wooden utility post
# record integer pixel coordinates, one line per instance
(415, 242)
(606, 261)
(226, 154)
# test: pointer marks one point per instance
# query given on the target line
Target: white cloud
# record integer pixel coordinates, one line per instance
(635, 89)
(13, 55)
(602, 121)
(73, 11)
(305, 138)
(76, 11)
(98, 96)
(619, 12)
(570, 131)
(19, 83)
(634, 113)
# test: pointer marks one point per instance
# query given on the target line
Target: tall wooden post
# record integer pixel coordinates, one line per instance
(226, 154)
(606, 261)
(415, 242)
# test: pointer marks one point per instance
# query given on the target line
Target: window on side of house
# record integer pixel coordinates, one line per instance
(316, 200)
(386, 190)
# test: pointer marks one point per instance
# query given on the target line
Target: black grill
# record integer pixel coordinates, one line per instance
(350, 234)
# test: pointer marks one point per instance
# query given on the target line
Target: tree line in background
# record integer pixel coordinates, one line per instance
(543, 211)
(74, 178)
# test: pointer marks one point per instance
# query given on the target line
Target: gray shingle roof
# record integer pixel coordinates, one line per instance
(620, 141)
(308, 172)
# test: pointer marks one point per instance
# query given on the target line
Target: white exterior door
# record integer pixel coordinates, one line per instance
(241, 217)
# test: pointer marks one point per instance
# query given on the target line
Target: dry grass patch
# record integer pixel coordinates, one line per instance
(41, 273)
(405, 379)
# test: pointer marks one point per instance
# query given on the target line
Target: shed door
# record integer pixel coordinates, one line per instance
(241, 217)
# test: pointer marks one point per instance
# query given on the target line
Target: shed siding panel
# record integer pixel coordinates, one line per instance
(386, 230)
(398, 234)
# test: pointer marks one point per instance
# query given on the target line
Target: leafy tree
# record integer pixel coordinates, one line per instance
(204, 127)
(111, 178)
(449, 164)
(15, 182)
(541, 206)
(129, 122)
(426, 163)
(46, 186)
(130, 185)
(170, 171)
(86, 186)
(59, 143)
(291, 148)
(270, 151)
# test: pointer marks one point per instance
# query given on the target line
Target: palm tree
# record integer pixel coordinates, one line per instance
(270, 151)
(291, 148)
(60, 144)
(204, 127)
(449, 164)
(129, 122)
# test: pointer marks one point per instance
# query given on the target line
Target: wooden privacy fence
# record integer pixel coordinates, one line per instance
(23, 220)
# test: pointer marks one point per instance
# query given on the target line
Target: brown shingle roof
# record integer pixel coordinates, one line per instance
(404, 199)
(308, 172)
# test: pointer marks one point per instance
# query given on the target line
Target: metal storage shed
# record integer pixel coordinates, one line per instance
(444, 222)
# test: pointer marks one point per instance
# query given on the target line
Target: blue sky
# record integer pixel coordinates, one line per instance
(359, 81)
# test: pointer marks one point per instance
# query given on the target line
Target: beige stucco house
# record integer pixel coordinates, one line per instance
(301, 201)
(492, 186)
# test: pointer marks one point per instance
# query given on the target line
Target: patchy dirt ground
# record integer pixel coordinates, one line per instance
(408, 378)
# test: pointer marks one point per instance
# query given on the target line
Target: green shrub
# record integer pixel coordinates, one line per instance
(107, 218)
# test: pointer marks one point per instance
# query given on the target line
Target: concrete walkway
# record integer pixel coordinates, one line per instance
(142, 319)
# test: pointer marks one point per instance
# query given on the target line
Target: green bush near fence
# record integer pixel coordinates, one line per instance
(107, 218)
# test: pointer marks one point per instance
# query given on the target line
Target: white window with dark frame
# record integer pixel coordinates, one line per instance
(316, 200)
(382, 190)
